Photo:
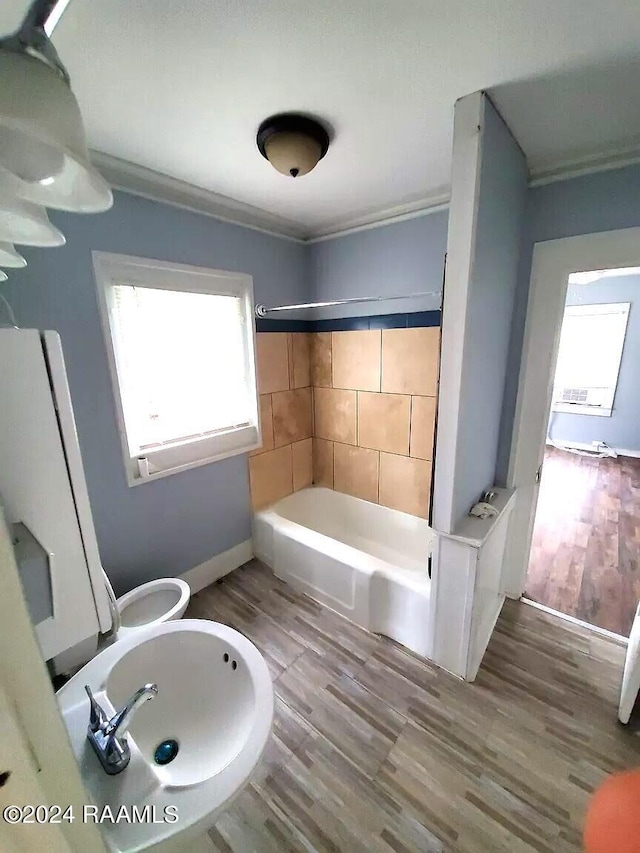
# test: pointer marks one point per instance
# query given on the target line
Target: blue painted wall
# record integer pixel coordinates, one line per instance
(493, 280)
(168, 526)
(622, 429)
(404, 257)
(586, 205)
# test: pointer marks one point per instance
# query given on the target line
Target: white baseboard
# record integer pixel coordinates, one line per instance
(583, 445)
(219, 566)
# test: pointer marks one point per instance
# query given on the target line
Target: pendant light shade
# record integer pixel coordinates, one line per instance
(292, 143)
(22, 221)
(10, 258)
(42, 141)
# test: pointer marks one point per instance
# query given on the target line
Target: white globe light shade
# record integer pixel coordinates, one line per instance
(10, 258)
(42, 139)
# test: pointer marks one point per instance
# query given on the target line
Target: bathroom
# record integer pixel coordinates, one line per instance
(336, 553)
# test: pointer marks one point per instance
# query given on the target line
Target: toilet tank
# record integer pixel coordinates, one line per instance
(43, 488)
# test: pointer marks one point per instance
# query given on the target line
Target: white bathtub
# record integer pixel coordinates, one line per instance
(365, 561)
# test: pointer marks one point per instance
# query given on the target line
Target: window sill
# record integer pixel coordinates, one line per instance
(163, 462)
(573, 409)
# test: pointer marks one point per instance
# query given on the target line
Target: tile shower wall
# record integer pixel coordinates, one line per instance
(374, 395)
(353, 411)
(284, 462)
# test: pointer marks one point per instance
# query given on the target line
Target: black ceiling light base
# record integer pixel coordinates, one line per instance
(292, 123)
(292, 143)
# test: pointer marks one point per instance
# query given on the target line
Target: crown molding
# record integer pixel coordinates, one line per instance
(542, 172)
(155, 186)
(152, 185)
(387, 216)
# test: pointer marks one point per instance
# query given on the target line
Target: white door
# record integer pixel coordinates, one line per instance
(631, 676)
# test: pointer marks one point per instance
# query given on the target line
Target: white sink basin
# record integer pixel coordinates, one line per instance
(219, 714)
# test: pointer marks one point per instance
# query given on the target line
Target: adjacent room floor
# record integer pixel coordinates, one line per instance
(586, 541)
(374, 749)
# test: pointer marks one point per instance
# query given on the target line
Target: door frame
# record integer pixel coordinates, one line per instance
(552, 263)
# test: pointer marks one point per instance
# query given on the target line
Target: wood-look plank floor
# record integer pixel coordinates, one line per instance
(375, 749)
(586, 542)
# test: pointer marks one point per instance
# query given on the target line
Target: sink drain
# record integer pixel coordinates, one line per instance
(166, 751)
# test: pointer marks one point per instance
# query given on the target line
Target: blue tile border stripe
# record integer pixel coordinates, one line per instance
(264, 324)
(413, 320)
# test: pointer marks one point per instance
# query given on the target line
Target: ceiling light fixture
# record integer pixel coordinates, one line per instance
(44, 161)
(292, 143)
(9, 257)
(42, 141)
(26, 223)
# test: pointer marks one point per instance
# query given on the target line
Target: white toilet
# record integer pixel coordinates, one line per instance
(152, 603)
(149, 604)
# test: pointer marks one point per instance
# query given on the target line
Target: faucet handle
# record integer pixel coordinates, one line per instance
(109, 737)
(97, 716)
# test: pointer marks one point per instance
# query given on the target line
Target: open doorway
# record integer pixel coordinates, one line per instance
(585, 550)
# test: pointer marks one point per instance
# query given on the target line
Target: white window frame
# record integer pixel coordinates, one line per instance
(596, 308)
(152, 464)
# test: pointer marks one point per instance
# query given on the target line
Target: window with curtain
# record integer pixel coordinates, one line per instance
(591, 344)
(182, 353)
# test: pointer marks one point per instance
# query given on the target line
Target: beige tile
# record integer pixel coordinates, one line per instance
(292, 416)
(290, 357)
(423, 424)
(356, 471)
(271, 476)
(335, 414)
(321, 359)
(355, 360)
(302, 464)
(383, 421)
(301, 357)
(323, 462)
(405, 484)
(273, 362)
(410, 361)
(266, 424)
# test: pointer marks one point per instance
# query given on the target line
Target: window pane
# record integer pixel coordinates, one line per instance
(182, 362)
(589, 354)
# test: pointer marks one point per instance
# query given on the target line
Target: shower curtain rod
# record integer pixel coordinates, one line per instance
(262, 310)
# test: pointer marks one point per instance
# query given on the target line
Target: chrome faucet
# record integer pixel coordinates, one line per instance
(108, 736)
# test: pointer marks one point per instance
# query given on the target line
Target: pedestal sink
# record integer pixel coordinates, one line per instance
(215, 699)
